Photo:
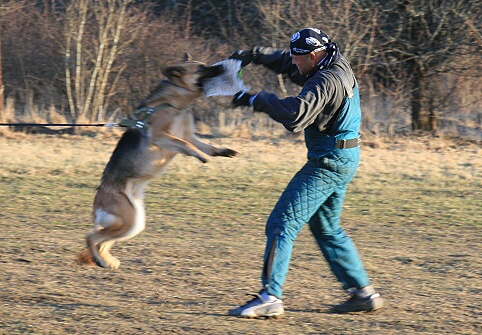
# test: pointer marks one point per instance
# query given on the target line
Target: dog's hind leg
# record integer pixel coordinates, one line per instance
(122, 221)
(99, 243)
(104, 251)
(98, 246)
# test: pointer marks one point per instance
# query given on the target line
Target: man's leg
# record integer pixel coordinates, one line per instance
(296, 205)
(342, 256)
(338, 249)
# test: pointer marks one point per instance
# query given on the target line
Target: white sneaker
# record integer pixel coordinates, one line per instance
(259, 307)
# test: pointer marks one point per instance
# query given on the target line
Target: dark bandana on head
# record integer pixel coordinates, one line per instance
(312, 40)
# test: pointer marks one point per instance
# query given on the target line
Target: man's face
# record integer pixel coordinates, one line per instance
(304, 63)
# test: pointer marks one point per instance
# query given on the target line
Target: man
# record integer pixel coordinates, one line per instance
(328, 110)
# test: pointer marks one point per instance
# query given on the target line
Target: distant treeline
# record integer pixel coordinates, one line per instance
(97, 59)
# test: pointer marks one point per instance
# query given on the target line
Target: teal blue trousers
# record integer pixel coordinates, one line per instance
(315, 196)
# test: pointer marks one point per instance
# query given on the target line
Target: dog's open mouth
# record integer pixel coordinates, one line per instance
(228, 83)
(209, 72)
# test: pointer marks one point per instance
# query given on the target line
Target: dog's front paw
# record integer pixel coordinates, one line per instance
(202, 159)
(225, 152)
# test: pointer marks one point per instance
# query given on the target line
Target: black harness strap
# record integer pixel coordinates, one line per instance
(141, 123)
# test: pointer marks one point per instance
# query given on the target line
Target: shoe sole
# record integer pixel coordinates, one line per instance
(360, 311)
(266, 317)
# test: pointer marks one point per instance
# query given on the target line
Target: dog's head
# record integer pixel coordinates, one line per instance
(190, 74)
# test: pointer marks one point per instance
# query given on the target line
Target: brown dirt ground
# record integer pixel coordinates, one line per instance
(414, 211)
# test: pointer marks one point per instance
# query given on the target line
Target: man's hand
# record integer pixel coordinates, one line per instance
(245, 57)
(242, 99)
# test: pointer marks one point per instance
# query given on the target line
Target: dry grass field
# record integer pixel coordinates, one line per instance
(414, 210)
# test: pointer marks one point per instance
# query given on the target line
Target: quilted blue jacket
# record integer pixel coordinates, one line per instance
(327, 108)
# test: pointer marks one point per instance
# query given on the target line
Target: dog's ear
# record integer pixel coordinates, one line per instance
(187, 57)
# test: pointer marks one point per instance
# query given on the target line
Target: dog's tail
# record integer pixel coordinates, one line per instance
(85, 257)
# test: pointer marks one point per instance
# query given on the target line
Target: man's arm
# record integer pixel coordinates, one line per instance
(317, 103)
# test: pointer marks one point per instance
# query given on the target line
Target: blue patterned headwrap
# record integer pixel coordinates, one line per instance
(312, 40)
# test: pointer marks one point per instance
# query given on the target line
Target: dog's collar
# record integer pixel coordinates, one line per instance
(141, 122)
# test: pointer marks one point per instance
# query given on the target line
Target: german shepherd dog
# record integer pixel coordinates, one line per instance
(142, 154)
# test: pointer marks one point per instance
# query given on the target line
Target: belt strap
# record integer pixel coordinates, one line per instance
(348, 144)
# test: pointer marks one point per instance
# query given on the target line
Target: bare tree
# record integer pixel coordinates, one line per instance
(429, 37)
(93, 33)
(2, 87)
(352, 24)
(6, 8)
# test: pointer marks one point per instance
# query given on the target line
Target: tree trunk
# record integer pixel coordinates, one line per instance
(432, 115)
(2, 87)
(433, 120)
(416, 103)
(424, 114)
